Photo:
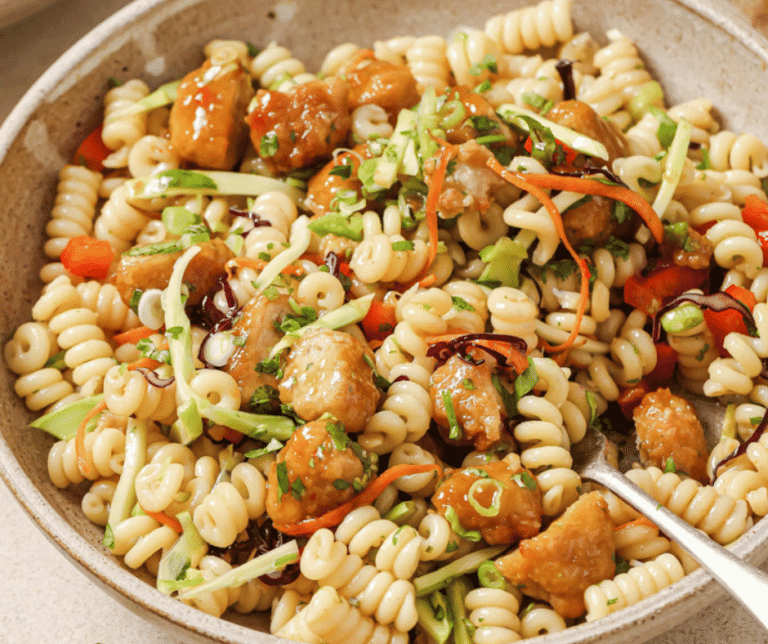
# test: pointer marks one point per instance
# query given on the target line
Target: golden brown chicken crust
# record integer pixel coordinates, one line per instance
(667, 428)
(326, 475)
(573, 553)
(515, 492)
(143, 272)
(326, 372)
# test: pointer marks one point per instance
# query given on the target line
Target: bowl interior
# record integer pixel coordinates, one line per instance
(692, 47)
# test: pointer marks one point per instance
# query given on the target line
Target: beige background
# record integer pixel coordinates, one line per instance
(43, 598)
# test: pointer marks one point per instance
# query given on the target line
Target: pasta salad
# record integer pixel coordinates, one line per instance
(318, 344)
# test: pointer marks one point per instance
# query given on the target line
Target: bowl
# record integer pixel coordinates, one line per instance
(692, 46)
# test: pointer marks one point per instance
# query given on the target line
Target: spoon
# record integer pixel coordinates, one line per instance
(746, 583)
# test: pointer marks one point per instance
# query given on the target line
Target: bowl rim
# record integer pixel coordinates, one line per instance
(108, 36)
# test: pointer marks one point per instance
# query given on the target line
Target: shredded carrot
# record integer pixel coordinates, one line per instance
(435, 188)
(144, 363)
(132, 336)
(640, 521)
(162, 517)
(428, 281)
(523, 182)
(82, 459)
(260, 264)
(592, 187)
(367, 496)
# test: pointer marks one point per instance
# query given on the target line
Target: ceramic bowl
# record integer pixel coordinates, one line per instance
(695, 47)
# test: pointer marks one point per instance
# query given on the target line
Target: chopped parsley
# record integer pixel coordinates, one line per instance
(264, 400)
(338, 435)
(460, 304)
(343, 170)
(283, 483)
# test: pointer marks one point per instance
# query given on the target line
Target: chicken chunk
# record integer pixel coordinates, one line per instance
(142, 272)
(471, 184)
(559, 564)
(476, 403)
(318, 469)
(503, 486)
(323, 187)
(667, 428)
(294, 129)
(387, 85)
(207, 119)
(580, 117)
(481, 119)
(256, 324)
(327, 372)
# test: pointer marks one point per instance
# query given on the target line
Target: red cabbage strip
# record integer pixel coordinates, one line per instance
(458, 345)
(742, 449)
(333, 263)
(589, 169)
(153, 379)
(254, 218)
(565, 69)
(717, 302)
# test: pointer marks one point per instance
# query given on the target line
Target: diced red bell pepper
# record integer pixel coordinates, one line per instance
(631, 397)
(649, 293)
(92, 151)
(380, 321)
(755, 215)
(666, 359)
(87, 257)
(721, 323)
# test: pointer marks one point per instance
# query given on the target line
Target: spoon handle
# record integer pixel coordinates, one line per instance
(746, 583)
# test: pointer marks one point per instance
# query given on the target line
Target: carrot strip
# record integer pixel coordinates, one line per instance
(428, 281)
(597, 188)
(144, 363)
(132, 336)
(260, 264)
(162, 517)
(82, 460)
(430, 211)
(367, 496)
(523, 182)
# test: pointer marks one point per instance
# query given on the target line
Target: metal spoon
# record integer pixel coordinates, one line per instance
(746, 583)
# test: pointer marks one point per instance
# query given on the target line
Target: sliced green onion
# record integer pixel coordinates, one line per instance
(490, 138)
(455, 430)
(571, 138)
(401, 513)
(683, 318)
(454, 113)
(495, 507)
(490, 576)
(453, 519)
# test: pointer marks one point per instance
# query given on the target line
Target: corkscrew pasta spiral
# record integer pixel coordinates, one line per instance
(544, 24)
(631, 587)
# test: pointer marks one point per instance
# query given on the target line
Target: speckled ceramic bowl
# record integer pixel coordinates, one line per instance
(696, 47)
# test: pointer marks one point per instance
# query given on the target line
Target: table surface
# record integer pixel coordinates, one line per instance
(48, 599)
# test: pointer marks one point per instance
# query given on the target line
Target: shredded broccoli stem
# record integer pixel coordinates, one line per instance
(135, 458)
(439, 578)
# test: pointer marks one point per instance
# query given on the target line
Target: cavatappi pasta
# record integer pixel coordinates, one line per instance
(320, 343)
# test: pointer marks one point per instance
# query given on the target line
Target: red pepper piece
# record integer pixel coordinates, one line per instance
(649, 293)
